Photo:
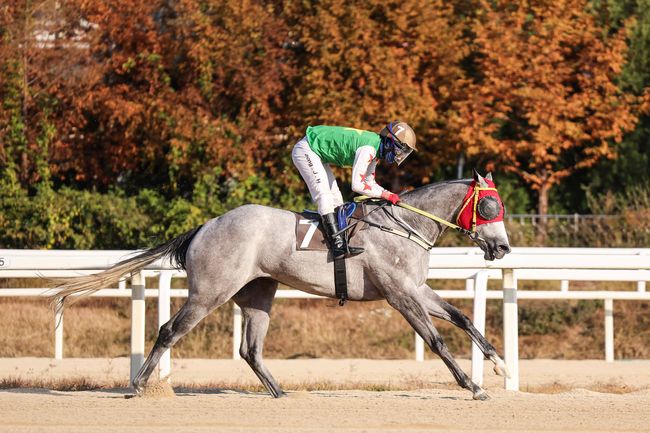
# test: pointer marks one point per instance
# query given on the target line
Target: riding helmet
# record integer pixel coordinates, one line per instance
(402, 137)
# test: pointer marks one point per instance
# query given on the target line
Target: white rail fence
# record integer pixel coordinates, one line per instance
(555, 264)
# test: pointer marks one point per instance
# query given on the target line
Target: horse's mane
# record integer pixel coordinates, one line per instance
(433, 186)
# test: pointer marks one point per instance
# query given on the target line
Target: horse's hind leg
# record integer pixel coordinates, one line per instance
(413, 308)
(255, 300)
(442, 309)
(189, 315)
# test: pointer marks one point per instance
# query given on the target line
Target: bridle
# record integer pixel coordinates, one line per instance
(473, 198)
(472, 234)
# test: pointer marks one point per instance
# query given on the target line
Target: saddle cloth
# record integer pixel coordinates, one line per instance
(310, 234)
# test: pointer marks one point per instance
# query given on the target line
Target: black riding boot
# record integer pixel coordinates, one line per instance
(339, 246)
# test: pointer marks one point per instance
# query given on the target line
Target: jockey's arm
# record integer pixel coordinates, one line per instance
(363, 173)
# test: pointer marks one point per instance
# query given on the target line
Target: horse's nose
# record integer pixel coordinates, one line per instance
(503, 248)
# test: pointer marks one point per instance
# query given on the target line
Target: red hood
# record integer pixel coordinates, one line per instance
(468, 211)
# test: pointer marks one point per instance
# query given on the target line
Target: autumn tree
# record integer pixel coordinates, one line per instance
(40, 43)
(632, 164)
(545, 102)
(142, 93)
(365, 63)
(236, 69)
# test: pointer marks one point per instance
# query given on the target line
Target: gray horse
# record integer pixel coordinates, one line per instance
(243, 254)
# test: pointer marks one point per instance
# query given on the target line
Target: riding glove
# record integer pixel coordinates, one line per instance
(390, 196)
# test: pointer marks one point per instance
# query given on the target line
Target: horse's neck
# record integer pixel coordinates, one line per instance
(441, 199)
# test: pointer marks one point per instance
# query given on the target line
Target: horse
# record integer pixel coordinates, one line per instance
(243, 254)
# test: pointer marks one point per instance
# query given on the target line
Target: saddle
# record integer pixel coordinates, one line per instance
(310, 236)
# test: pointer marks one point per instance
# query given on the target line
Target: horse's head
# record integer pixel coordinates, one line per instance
(482, 214)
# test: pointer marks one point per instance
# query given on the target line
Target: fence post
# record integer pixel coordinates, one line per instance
(137, 324)
(480, 296)
(236, 331)
(469, 282)
(609, 330)
(640, 285)
(510, 329)
(58, 331)
(419, 348)
(164, 298)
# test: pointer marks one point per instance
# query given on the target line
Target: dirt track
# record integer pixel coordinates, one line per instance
(436, 408)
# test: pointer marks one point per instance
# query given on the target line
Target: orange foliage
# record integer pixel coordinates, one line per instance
(155, 93)
(40, 65)
(546, 103)
(366, 63)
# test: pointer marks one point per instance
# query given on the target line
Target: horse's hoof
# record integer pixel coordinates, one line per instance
(138, 393)
(481, 395)
(500, 367)
(278, 393)
(500, 371)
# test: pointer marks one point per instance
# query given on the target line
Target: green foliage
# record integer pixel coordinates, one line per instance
(514, 195)
(555, 317)
(74, 219)
(632, 165)
(614, 14)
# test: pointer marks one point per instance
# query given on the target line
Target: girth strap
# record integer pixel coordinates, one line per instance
(340, 280)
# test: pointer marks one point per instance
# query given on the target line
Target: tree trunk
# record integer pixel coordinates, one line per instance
(542, 210)
(24, 157)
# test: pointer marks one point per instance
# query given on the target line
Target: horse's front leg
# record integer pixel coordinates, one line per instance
(438, 307)
(412, 305)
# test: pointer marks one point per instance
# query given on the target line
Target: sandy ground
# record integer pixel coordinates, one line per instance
(435, 407)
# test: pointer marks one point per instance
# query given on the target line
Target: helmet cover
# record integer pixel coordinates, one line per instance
(400, 139)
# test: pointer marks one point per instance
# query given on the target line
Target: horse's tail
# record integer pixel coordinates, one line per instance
(86, 285)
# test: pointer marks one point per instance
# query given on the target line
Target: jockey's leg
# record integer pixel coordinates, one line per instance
(338, 201)
(313, 172)
(316, 176)
(334, 187)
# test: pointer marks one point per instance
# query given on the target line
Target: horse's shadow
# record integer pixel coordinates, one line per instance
(100, 393)
(192, 392)
(127, 393)
(43, 391)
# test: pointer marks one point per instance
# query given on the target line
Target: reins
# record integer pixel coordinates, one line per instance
(410, 233)
(435, 218)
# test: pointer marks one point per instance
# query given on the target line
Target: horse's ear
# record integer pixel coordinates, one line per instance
(489, 176)
(479, 179)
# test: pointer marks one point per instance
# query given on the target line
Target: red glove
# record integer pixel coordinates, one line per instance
(390, 196)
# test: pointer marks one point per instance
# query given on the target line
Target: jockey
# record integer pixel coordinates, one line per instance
(345, 147)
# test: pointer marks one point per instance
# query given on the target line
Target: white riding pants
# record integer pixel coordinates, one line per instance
(318, 177)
